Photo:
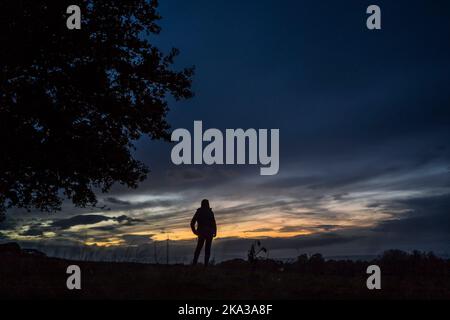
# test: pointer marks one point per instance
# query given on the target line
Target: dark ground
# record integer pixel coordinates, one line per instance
(28, 275)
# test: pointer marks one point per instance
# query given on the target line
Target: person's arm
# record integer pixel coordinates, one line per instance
(214, 225)
(193, 221)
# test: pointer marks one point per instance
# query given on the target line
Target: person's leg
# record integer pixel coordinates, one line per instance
(207, 250)
(200, 242)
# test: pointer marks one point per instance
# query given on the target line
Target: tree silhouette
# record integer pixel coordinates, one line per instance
(72, 102)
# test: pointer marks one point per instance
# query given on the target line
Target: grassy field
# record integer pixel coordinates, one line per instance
(30, 276)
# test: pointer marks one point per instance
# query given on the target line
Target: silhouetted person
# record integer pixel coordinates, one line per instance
(206, 230)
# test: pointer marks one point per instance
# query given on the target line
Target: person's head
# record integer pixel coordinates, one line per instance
(205, 204)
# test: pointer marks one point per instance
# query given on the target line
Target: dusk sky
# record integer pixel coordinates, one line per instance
(364, 119)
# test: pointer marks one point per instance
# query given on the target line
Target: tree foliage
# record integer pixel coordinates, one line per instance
(72, 102)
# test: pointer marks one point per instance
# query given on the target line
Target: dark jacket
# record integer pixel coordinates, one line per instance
(206, 224)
